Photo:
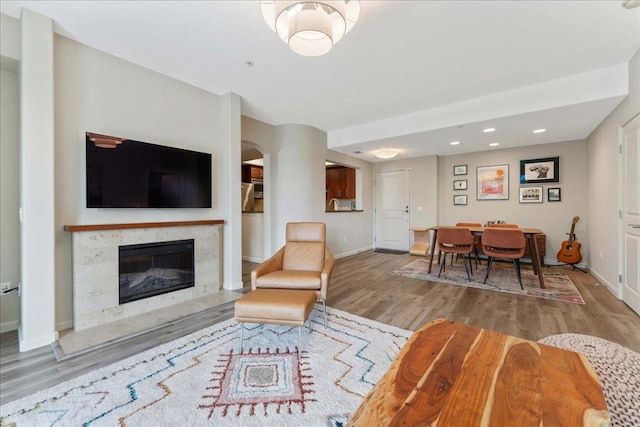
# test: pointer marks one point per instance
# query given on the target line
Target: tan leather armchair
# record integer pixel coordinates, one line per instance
(304, 262)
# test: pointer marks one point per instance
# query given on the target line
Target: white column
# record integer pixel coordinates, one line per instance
(231, 198)
(37, 292)
(299, 178)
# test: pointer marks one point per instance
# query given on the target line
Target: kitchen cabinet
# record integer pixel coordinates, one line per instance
(250, 172)
(341, 183)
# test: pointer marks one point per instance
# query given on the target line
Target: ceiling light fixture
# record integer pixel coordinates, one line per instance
(454, 142)
(386, 154)
(311, 28)
(539, 130)
(494, 144)
(630, 4)
(487, 130)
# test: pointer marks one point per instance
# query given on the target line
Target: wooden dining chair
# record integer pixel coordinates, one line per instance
(476, 239)
(507, 243)
(455, 241)
(503, 225)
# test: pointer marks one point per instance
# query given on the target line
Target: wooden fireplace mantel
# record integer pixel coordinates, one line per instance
(95, 227)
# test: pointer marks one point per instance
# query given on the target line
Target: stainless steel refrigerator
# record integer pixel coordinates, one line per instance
(247, 197)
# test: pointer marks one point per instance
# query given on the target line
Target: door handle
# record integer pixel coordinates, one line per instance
(634, 225)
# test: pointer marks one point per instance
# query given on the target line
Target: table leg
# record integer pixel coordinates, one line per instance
(535, 258)
(433, 248)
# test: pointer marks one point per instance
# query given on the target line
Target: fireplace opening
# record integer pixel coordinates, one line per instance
(155, 268)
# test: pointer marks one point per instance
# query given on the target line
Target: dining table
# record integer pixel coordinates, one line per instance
(529, 234)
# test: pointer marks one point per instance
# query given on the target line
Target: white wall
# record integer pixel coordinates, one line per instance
(602, 182)
(9, 198)
(552, 218)
(100, 93)
(10, 37)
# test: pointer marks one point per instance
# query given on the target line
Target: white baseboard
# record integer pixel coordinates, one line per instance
(252, 259)
(614, 289)
(349, 253)
(37, 342)
(11, 325)
(233, 286)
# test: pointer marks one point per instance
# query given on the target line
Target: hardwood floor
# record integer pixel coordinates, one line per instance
(361, 285)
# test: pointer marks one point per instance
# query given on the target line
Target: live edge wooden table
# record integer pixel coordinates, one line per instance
(452, 374)
(529, 234)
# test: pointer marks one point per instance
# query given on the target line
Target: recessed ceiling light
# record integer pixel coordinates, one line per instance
(494, 144)
(454, 142)
(539, 130)
(487, 130)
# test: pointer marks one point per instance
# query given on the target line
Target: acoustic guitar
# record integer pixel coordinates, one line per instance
(569, 253)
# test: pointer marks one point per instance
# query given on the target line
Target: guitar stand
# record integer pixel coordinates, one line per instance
(574, 266)
(577, 268)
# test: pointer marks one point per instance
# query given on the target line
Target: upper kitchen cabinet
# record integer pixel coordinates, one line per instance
(341, 182)
(251, 172)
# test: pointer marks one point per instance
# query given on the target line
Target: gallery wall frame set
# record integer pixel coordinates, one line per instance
(531, 194)
(554, 194)
(459, 170)
(460, 184)
(460, 199)
(538, 171)
(492, 182)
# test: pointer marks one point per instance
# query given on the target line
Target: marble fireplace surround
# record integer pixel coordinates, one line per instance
(95, 267)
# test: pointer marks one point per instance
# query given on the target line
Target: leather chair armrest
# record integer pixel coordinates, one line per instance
(272, 264)
(325, 275)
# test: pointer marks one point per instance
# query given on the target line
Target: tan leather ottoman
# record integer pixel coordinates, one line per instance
(275, 306)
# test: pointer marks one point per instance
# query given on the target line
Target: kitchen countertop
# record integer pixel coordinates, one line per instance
(346, 210)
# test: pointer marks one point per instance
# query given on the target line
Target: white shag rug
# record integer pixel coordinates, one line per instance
(202, 379)
(618, 369)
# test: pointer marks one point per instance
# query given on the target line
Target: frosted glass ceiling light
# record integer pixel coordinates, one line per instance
(385, 154)
(311, 28)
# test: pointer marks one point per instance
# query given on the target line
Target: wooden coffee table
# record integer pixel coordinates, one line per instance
(452, 374)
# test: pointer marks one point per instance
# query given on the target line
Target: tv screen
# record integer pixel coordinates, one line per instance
(122, 173)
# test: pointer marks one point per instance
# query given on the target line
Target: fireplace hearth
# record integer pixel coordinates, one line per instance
(151, 269)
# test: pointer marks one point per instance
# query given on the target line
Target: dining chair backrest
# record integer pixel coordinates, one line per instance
(454, 237)
(468, 224)
(503, 225)
(503, 242)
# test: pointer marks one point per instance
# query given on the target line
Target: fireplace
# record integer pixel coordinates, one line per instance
(152, 269)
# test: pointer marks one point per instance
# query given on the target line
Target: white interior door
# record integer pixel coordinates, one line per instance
(630, 214)
(392, 210)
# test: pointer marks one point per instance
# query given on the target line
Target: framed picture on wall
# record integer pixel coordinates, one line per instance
(492, 182)
(554, 194)
(460, 170)
(460, 184)
(540, 170)
(530, 194)
(460, 199)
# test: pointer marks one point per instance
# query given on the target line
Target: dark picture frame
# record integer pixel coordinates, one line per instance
(460, 184)
(535, 171)
(459, 170)
(554, 194)
(460, 199)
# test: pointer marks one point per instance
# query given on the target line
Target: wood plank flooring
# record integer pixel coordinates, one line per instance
(361, 285)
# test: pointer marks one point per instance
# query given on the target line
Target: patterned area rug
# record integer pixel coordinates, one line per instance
(201, 379)
(501, 278)
(618, 369)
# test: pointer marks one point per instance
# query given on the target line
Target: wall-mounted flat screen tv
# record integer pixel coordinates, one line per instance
(122, 173)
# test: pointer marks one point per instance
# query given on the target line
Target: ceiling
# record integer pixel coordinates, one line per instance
(411, 75)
